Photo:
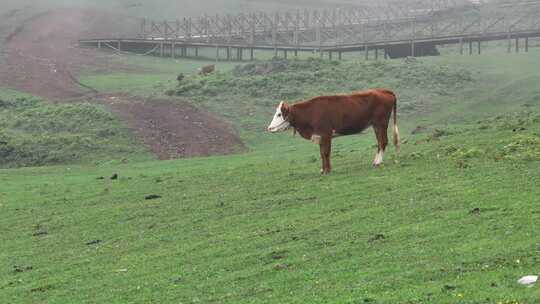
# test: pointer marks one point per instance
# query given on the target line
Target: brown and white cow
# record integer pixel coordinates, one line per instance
(322, 118)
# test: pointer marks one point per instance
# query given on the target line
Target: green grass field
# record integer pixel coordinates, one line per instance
(34, 132)
(266, 228)
(452, 219)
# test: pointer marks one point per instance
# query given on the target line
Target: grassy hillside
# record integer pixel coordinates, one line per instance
(247, 96)
(36, 133)
(453, 220)
(433, 91)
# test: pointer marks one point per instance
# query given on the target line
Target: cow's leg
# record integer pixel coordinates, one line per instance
(326, 147)
(382, 142)
(376, 161)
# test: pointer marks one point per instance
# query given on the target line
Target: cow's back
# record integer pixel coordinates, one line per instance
(351, 114)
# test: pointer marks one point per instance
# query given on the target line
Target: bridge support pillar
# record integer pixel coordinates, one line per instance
(330, 55)
(295, 53)
(285, 54)
(228, 53)
(251, 57)
(366, 52)
(412, 49)
(526, 44)
(196, 52)
(99, 45)
(517, 44)
(470, 47)
(217, 53)
(119, 46)
(461, 46)
(340, 57)
(377, 54)
(161, 49)
(509, 43)
(173, 50)
(479, 47)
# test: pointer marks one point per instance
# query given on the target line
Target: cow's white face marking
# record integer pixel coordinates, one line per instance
(278, 122)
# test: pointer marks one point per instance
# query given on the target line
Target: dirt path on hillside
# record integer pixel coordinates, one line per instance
(42, 54)
(175, 130)
(42, 57)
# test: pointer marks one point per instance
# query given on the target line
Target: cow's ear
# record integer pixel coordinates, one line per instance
(284, 109)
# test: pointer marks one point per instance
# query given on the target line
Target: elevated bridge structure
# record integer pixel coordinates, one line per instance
(396, 29)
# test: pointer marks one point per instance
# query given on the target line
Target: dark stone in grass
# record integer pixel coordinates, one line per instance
(100, 178)
(114, 176)
(13, 283)
(448, 287)
(493, 284)
(177, 280)
(278, 255)
(40, 233)
(281, 266)
(94, 242)
(475, 211)
(19, 269)
(369, 300)
(152, 197)
(377, 237)
(41, 289)
(519, 129)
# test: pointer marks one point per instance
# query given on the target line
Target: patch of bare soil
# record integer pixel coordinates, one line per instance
(43, 58)
(175, 130)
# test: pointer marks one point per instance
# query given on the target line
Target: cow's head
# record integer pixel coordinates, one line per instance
(280, 121)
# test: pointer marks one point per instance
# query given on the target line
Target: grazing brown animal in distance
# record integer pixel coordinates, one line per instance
(322, 118)
(207, 69)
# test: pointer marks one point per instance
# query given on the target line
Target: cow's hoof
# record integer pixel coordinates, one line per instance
(375, 165)
(325, 172)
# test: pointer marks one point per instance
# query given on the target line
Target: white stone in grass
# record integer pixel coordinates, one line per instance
(528, 280)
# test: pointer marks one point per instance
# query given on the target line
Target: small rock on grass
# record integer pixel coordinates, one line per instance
(152, 197)
(17, 268)
(121, 270)
(377, 237)
(94, 242)
(475, 211)
(40, 233)
(448, 287)
(528, 280)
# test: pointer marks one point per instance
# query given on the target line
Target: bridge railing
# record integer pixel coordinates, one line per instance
(321, 28)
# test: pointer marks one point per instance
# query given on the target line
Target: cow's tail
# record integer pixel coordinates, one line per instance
(395, 127)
